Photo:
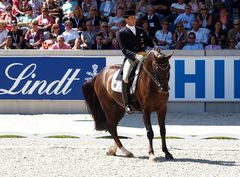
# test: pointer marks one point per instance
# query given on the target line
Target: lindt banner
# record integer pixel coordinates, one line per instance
(46, 78)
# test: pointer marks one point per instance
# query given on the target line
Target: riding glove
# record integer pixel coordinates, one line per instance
(139, 58)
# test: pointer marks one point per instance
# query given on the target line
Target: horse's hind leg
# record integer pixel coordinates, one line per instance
(161, 121)
(112, 150)
(150, 134)
(113, 115)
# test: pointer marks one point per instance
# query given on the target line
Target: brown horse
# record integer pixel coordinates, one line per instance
(151, 95)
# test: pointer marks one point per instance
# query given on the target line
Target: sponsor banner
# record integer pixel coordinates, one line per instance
(46, 78)
(205, 78)
(198, 78)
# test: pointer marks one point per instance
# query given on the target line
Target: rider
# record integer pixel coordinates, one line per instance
(133, 41)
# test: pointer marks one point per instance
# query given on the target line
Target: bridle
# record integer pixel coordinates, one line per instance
(156, 72)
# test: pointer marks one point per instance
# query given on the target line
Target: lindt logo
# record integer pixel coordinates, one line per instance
(26, 83)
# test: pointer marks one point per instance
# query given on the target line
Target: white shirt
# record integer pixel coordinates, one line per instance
(132, 28)
(3, 36)
(201, 35)
(70, 35)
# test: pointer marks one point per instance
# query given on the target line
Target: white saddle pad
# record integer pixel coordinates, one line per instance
(116, 85)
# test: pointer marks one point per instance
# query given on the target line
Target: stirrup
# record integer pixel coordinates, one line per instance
(128, 110)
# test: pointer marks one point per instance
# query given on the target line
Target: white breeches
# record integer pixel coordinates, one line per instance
(128, 65)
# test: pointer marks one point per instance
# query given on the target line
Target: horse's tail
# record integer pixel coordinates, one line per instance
(93, 104)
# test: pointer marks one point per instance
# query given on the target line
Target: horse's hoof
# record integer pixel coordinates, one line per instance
(112, 151)
(129, 155)
(169, 157)
(152, 158)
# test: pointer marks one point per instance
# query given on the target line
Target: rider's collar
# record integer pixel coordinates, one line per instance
(132, 28)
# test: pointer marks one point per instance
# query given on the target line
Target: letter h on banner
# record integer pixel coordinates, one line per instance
(198, 78)
(237, 79)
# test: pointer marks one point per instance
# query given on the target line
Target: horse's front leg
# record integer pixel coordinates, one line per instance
(150, 134)
(161, 121)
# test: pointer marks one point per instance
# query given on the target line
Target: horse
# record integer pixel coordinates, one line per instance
(151, 95)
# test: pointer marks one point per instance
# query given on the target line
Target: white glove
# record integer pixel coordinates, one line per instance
(139, 58)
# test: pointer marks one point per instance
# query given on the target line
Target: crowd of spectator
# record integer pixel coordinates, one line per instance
(94, 24)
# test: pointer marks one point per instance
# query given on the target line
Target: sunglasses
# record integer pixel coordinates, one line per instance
(191, 37)
(236, 24)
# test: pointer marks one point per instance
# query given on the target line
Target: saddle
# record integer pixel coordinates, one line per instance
(116, 84)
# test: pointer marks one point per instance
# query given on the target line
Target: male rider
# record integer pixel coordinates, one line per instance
(133, 41)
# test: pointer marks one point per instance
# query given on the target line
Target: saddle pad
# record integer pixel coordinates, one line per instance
(116, 84)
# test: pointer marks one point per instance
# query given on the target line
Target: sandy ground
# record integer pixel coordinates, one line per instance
(82, 158)
(36, 156)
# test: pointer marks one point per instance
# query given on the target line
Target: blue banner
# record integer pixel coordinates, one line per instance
(46, 78)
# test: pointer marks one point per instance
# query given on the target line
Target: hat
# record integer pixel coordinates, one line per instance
(128, 13)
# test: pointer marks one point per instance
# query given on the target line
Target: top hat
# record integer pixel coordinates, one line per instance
(128, 13)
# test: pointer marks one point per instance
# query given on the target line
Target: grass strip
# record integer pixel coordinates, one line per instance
(62, 136)
(11, 136)
(220, 138)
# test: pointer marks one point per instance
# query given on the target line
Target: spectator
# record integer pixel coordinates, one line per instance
(76, 18)
(231, 43)
(237, 46)
(78, 44)
(205, 18)
(176, 9)
(164, 36)
(54, 9)
(68, 7)
(224, 18)
(34, 37)
(192, 45)
(185, 18)
(153, 21)
(213, 43)
(161, 8)
(195, 4)
(201, 33)
(88, 36)
(60, 44)
(47, 44)
(86, 5)
(69, 34)
(8, 43)
(36, 7)
(3, 5)
(107, 8)
(45, 21)
(25, 21)
(235, 31)
(16, 8)
(220, 34)
(99, 45)
(3, 33)
(106, 35)
(8, 17)
(16, 35)
(115, 45)
(55, 32)
(179, 37)
(94, 17)
(141, 8)
(22, 7)
(115, 20)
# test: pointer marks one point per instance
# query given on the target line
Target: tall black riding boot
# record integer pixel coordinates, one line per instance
(125, 94)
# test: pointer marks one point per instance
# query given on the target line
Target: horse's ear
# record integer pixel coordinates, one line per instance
(169, 55)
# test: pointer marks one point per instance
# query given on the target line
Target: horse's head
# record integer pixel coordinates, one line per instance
(160, 67)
